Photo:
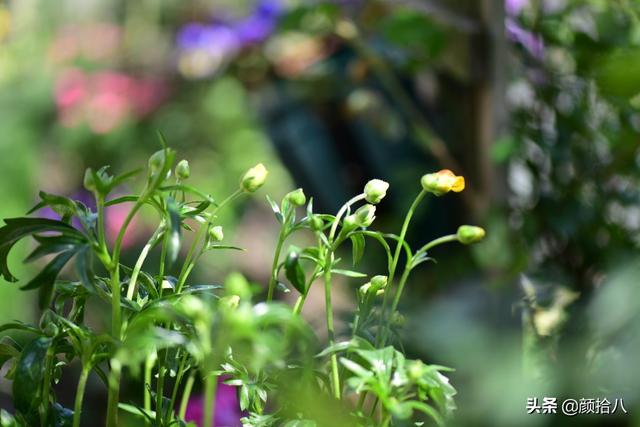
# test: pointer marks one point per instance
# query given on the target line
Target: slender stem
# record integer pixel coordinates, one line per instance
(77, 407)
(341, 212)
(100, 207)
(210, 385)
(297, 308)
(160, 392)
(114, 391)
(181, 371)
(186, 394)
(386, 420)
(274, 266)
(394, 263)
(407, 270)
(138, 266)
(335, 376)
(46, 387)
(148, 370)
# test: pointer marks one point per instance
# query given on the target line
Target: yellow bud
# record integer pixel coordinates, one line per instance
(254, 178)
(442, 182)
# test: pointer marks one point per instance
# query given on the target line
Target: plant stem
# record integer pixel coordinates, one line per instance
(335, 376)
(407, 270)
(77, 407)
(159, 393)
(210, 385)
(186, 394)
(148, 369)
(274, 266)
(297, 309)
(386, 420)
(46, 387)
(381, 336)
(138, 266)
(341, 212)
(114, 391)
(179, 376)
(100, 208)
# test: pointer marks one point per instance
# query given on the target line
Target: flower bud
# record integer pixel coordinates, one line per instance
(349, 223)
(415, 370)
(90, 181)
(442, 182)
(254, 178)
(379, 282)
(230, 301)
(375, 190)
(192, 305)
(297, 197)
(316, 223)
(156, 162)
(468, 234)
(182, 170)
(216, 233)
(365, 215)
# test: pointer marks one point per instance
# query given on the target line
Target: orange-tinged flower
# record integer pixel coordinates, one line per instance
(442, 182)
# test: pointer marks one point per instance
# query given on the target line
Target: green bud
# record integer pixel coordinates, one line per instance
(379, 282)
(442, 182)
(316, 223)
(90, 180)
(230, 301)
(51, 330)
(297, 197)
(365, 215)
(350, 222)
(415, 370)
(468, 234)
(375, 190)
(156, 162)
(375, 286)
(182, 170)
(192, 305)
(216, 233)
(254, 178)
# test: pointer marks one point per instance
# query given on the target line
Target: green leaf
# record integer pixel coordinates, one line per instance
(29, 374)
(189, 189)
(173, 247)
(357, 246)
(18, 228)
(348, 273)
(276, 210)
(295, 272)
(135, 410)
(47, 277)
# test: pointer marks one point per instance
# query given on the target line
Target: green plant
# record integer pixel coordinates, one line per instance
(167, 328)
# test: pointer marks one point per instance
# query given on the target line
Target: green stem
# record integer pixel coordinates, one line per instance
(341, 212)
(181, 371)
(210, 385)
(186, 394)
(386, 420)
(46, 387)
(148, 370)
(407, 270)
(77, 407)
(114, 391)
(100, 207)
(274, 266)
(396, 256)
(335, 376)
(160, 393)
(297, 308)
(138, 266)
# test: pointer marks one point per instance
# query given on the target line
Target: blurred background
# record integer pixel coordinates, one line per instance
(535, 102)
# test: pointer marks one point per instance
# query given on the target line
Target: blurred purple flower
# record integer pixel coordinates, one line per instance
(514, 7)
(530, 41)
(227, 409)
(205, 48)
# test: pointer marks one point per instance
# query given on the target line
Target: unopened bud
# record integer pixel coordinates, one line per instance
(90, 180)
(254, 178)
(216, 233)
(365, 215)
(442, 182)
(230, 301)
(375, 190)
(316, 223)
(182, 170)
(468, 234)
(297, 197)
(156, 162)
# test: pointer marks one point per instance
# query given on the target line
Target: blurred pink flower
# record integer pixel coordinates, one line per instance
(105, 99)
(93, 41)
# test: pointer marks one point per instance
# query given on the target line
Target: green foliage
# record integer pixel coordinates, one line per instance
(170, 327)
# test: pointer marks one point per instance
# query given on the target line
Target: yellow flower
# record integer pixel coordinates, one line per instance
(254, 178)
(442, 182)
